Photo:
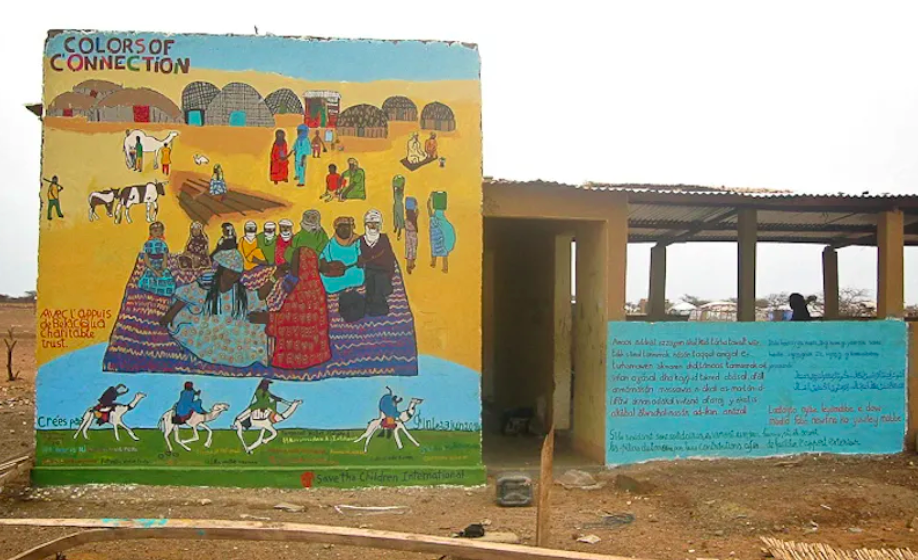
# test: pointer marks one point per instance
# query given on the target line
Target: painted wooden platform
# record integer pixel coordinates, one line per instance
(195, 199)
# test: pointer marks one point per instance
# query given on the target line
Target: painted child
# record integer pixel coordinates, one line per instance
(332, 183)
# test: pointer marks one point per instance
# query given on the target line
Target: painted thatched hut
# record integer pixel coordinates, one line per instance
(238, 105)
(196, 97)
(140, 105)
(97, 89)
(437, 116)
(71, 104)
(399, 108)
(284, 102)
(364, 121)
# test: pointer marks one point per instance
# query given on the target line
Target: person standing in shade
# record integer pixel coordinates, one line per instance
(267, 241)
(54, 197)
(798, 305)
(354, 182)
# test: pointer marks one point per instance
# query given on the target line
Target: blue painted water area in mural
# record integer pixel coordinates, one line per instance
(319, 60)
(71, 384)
(755, 389)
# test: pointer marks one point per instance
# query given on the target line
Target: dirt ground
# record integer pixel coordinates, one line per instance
(689, 509)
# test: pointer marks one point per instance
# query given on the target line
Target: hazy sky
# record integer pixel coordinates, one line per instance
(809, 96)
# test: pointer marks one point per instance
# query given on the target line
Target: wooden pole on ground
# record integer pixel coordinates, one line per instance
(108, 530)
(546, 478)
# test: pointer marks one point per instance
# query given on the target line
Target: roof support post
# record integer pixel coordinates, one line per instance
(746, 245)
(890, 265)
(830, 283)
(657, 291)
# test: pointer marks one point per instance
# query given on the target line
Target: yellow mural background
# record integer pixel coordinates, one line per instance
(85, 265)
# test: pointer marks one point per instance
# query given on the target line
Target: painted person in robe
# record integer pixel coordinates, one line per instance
(398, 204)
(252, 254)
(338, 261)
(197, 248)
(411, 232)
(354, 182)
(430, 146)
(283, 242)
(138, 159)
(280, 158)
(416, 153)
(228, 240)
(189, 402)
(311, 235)
(378, 262)
(267, 241)
(442, 234)
(217, 186)
(301, 150)
(220, 321)
(300, 327)
(388, 411)
(263, 400)
(157, 279)
(107, 403)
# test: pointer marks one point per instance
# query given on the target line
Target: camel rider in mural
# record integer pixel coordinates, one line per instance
(388, 411)
(264, 403)
(107, 403)
(189, 402)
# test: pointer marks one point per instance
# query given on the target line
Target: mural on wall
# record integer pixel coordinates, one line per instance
(267, 313)
(677, 390)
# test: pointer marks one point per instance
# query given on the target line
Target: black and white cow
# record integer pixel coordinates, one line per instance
(140, 194)
(106, 198)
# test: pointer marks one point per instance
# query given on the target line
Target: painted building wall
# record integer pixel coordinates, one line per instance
(158, 314)
(677, 390)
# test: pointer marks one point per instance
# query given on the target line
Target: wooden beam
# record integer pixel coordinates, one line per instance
(107, 530)
(746, 263)
(890, 266)
(656, 293)
(697, 228)
(546, 479)
(830, 283)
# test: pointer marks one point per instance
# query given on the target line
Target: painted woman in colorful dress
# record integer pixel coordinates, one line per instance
(156, 279)
(280, 158)
(442, 232)
(398, 205)
(300, 327)
(217, 182)
(411, 232)
(218, 321)
(197, 248)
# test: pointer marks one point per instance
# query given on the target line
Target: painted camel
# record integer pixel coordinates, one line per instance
(115, 418)
(403, 418)
(263, 420)
(150, 145)
(195, 421)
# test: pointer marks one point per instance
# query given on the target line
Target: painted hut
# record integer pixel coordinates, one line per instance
(400, 108)
(284, 102)
(97, 89)
(322, 108)
(196, 97)
(238, 105)
(437, 116)
(70, 104)
(364, 121)
(140, 105)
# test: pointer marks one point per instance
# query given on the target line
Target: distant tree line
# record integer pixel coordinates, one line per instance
(28, 297)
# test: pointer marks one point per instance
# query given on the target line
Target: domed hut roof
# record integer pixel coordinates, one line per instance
(72, 101)
(97, 89)
(239, 105)
(364, 121)
(437, 116)
(400, 108)
(284, 102)
(123, 105)
(198, 95)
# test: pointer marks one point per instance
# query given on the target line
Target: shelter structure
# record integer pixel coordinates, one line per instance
(196, 98)
(137, 105)
(322, 108)
(437, 116)
(97, 89)
(71, 104)
(400, 108)
(363, 121)
(586, 368)
(239, 104)
(284, 102)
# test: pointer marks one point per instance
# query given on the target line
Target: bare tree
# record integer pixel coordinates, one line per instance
(10, 342)
(855, 302)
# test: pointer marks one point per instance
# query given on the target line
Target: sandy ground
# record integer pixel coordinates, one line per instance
(690, 509)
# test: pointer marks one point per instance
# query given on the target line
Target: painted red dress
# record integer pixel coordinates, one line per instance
(300, 327)
(280, 165)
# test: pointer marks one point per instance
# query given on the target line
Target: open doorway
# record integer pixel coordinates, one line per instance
(531, 351)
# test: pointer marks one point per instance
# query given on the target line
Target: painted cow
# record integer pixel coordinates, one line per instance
(140, 194)
(106, 198)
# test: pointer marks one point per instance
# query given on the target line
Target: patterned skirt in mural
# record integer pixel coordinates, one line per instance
(300, 326)
(411, 243)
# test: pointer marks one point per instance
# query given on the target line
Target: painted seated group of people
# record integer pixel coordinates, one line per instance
(284, 321)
